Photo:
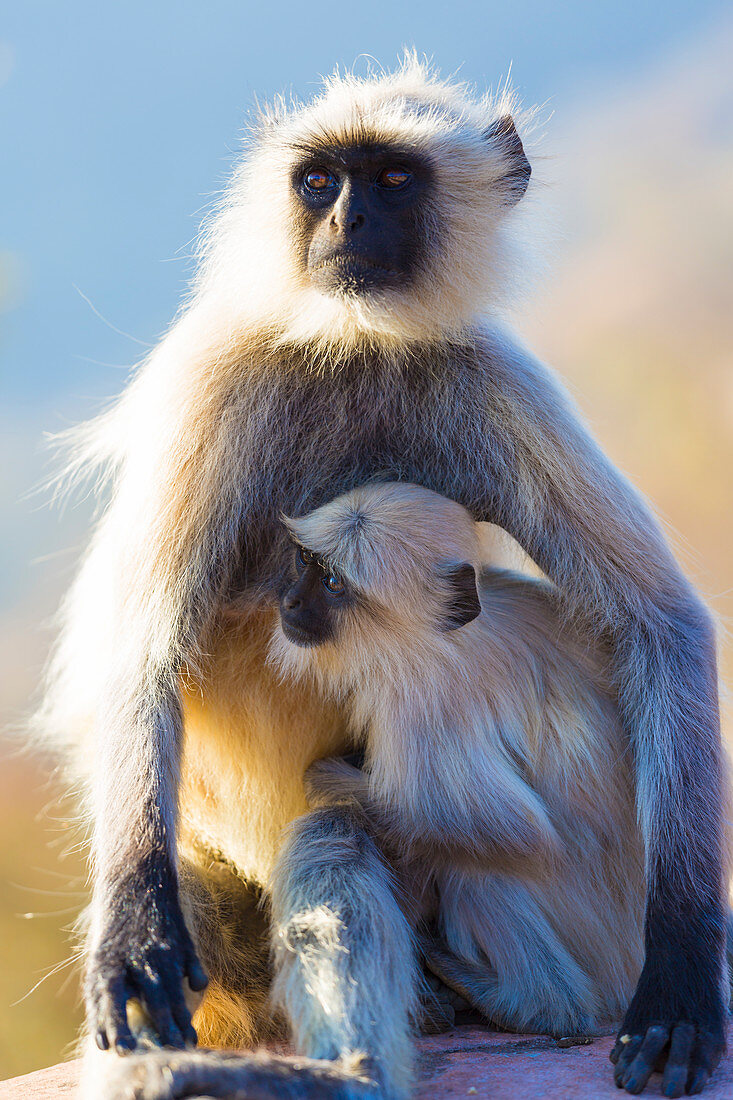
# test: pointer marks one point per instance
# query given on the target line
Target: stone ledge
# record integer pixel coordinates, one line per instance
(467, 1061)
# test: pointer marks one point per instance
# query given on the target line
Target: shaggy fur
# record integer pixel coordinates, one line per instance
(267, 397)
(498, 774)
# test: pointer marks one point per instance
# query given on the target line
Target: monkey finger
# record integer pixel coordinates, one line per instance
(642, 1067)
(197, 977)
(113, 1016)
(182, 1016)
(697, 1080)
(620, 1046)
(180, 1011)
(93, 1013)
(678, 1060)
(705, 1057)
(625, 1054)
(157, 1006)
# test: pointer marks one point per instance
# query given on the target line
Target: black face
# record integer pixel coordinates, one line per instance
(360, 217)
(309, 608)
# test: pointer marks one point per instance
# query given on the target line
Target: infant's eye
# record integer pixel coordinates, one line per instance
(394, 178)
(318, 180)
(305, 557)
(334, 584)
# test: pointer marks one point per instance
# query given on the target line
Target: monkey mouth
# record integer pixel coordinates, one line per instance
(299, 635)
(349, 261)
(352, 272)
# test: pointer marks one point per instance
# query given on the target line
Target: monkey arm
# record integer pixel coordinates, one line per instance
(508, 831)
(140, 946)
(552, 488)
(163, 549)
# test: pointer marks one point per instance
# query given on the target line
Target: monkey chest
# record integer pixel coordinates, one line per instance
(324, 442)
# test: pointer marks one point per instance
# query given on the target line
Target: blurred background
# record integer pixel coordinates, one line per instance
(118, 125)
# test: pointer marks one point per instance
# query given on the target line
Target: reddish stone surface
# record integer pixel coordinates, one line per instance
(500, 1066)
(57, 1083)
(468, 1061)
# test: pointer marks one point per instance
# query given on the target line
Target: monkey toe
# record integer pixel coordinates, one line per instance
(684, 1054)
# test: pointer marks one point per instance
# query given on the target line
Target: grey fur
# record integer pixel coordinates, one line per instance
(497, 773)
(266, 397)
(345, 959)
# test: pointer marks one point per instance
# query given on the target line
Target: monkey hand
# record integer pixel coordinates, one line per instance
(336, 780)
(143, 953)
(682, 1036)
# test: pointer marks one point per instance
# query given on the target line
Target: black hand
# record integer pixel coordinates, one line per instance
(676, 1022)
(145, 951)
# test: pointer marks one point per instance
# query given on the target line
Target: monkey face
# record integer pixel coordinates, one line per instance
(361, 213)
(309, 608)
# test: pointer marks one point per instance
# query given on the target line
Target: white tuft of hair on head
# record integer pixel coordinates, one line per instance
(482, 246)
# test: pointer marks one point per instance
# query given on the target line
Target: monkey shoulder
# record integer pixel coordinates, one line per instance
(506, 591)
(527, 617)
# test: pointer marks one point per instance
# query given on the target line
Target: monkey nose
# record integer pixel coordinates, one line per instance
(291, 601)
(348, 223)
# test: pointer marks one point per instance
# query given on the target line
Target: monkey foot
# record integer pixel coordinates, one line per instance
(172, 1075)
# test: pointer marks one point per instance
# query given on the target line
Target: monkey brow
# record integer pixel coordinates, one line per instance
(320, 561)
(333, 147)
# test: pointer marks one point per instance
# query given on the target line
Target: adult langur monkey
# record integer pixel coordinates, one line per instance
(344, 323)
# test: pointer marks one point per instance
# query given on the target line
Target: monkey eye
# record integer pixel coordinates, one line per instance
(394, 178)
(318, 180)
(305, 557)
(333, 583)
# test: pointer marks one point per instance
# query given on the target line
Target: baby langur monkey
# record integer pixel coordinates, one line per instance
(497, 779)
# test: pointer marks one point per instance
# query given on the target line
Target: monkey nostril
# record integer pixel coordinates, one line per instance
(356, 222)
(291, 602)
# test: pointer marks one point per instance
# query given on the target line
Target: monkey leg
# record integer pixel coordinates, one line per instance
(479, 987)
(496, 947)
(346, 975)
(204, 1075)
(230, 927)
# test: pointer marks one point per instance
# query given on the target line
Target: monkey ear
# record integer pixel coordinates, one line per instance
(502, 135)
(463, 603)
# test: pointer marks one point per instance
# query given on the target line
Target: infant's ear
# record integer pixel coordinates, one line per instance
(463, 602)
(502, 135)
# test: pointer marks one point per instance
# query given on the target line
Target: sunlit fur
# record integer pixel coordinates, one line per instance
(266, 396)
(344, 954)
(494, 744)
(247, 256)
(248, 299)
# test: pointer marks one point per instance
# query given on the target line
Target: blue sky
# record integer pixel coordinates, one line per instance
(118, 122)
